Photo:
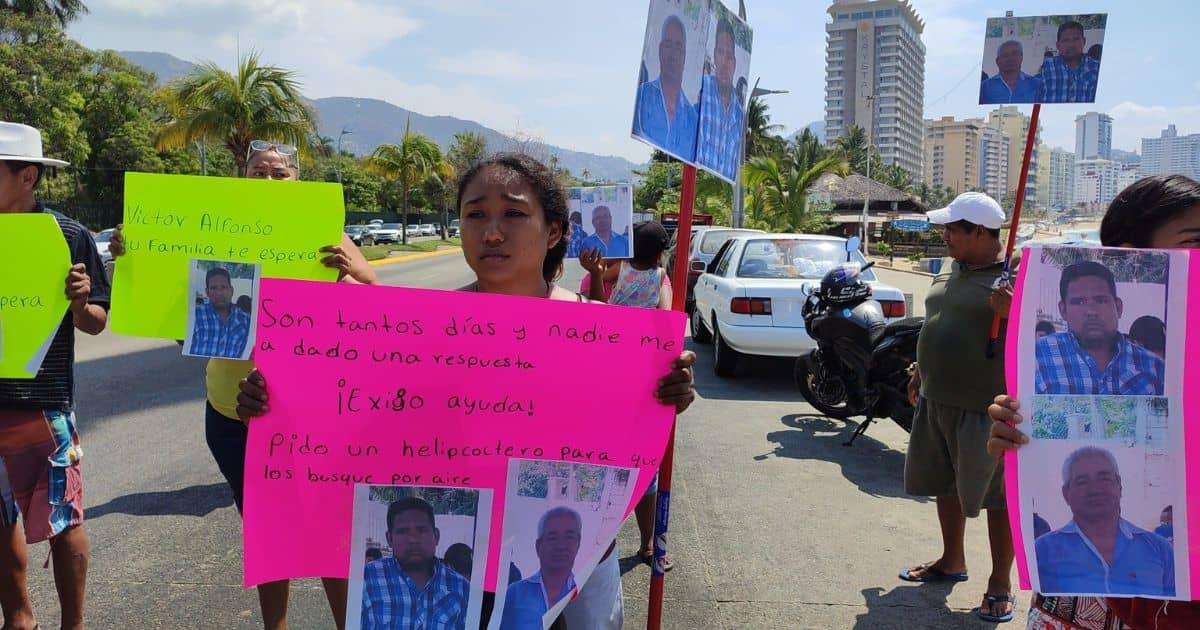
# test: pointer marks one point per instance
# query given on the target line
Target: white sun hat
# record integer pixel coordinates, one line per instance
(973, 207)
(22, 143)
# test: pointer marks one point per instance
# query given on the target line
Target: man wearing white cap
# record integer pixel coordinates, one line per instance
(953, 382)
(39, 448)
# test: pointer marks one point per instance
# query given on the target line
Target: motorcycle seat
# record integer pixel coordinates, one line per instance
(901, 326)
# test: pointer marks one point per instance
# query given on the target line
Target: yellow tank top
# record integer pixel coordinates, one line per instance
(221, 378)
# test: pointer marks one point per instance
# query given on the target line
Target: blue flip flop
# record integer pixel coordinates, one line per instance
(931, 575)
(991, 601)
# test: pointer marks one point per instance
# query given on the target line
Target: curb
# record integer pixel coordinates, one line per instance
(391, 260)
(908, 271)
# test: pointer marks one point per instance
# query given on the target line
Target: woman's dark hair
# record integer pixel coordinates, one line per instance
(650, 240)
(550, 194)
(1144, 206)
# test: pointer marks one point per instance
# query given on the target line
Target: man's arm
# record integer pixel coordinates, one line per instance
(90, 318)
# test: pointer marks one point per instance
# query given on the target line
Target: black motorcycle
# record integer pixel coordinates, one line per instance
(860, 364)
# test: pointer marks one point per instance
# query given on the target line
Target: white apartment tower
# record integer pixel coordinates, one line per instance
(1009, 120)
(1093, 136)
(1096, 184)
(1062, 179)
(993, 161)
(875, 77)
(1171, 154)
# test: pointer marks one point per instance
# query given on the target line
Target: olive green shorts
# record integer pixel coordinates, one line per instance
(947, 456)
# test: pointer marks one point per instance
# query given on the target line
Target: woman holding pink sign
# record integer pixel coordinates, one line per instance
(224, 432)
(515, 231)
(1160, 212)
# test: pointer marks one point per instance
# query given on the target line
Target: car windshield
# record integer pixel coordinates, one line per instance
(353, 229)
(795, 258)
(712, 240)
(390, 226)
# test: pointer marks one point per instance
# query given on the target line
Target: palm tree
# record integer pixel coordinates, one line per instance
(259, 102)
(783, 189)
(407, 163)
(64, 11)
(761, 135)
(438, 187)
(854, 148)
(895, 176)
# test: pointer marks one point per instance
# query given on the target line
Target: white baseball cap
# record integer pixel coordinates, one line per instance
(22, 143)
(973, 207)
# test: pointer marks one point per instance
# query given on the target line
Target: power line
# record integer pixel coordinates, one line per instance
(975, 70)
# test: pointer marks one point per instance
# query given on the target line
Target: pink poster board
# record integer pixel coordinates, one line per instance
(389, 385)
(1180, 393)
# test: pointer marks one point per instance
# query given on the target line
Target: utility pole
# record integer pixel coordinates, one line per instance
(867, 197)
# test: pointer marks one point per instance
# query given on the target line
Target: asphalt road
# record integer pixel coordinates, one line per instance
(774, 525)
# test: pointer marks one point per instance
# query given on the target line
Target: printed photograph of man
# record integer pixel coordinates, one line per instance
(1092, 356)
(412, 588)
(610, 244)
(217, 326)
(719, 147)
(1070, 76)
(559, 533)
(663, 115)
(1098, 551)
(1010, 84)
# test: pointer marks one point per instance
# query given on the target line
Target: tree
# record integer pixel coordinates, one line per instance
(854, 150)
(657, 179)
(466, 149)
(762, 137)
(895, 176)
(438, 189)
(407, 164)
(63, 11)
(259, 102)
(783, 189)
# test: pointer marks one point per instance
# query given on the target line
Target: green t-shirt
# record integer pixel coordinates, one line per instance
(952, 348)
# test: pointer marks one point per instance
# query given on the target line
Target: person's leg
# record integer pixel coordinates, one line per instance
(14, 567)
(226, 438)
(644, 512)
(929, 471)
(273, 600)
(600, 604)
(336, 591)
(1001, 543)
(70, 552)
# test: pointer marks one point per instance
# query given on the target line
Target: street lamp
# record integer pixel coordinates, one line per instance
(739, 197)
(867, 195)
(337, 163)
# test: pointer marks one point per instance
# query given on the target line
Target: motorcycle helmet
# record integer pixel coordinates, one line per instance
(843, 284)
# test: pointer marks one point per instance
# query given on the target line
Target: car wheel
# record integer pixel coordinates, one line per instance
(700, 334)
(725, 358)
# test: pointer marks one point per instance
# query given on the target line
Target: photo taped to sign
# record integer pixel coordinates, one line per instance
(1042, 59)
(224, 311)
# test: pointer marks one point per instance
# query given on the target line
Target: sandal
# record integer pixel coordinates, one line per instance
(932, 574)
(648, 558)
(991, 601)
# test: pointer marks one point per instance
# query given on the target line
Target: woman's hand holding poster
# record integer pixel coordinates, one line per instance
(1101, 496)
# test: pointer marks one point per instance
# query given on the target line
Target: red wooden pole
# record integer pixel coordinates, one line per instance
(687, 200)
(1030, 140)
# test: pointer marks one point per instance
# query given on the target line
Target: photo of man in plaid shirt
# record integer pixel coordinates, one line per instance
(412, 589)
(1092, 356)
(221, 329)
(719, 147)
(1070, 76)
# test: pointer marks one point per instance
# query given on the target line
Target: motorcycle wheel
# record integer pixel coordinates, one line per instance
(825, 392)
(700, 334)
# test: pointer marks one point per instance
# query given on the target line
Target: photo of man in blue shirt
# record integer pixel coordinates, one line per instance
(1093, 356)
(719, 147)
(1009, 84)
(560, 531)
(1098, 552)
(1070, 76)
(610, 244)
(412, 588)
(663, 115)
(219, 328)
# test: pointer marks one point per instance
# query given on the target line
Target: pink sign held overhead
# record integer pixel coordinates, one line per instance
(414, 387)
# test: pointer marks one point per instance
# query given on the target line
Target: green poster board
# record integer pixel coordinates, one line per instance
(171, 219)
(33, 291)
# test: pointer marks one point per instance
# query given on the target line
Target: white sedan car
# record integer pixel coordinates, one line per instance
(749, 300)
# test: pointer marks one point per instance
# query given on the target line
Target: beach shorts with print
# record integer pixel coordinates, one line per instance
(40, 478)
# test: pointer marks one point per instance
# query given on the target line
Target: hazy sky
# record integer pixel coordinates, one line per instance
(565, 71)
